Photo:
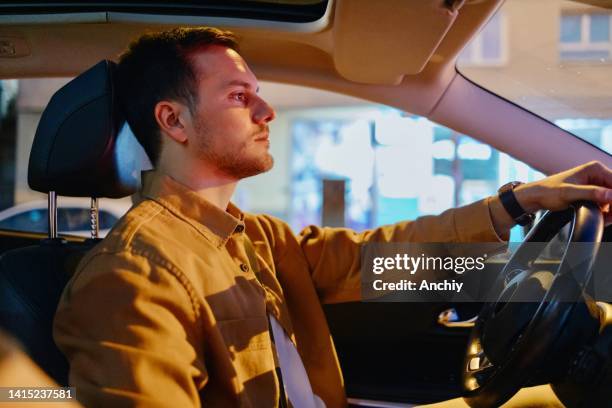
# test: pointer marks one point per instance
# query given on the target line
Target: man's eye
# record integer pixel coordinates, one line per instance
(240, 97)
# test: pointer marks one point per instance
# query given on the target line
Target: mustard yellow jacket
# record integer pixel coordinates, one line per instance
(167, 310)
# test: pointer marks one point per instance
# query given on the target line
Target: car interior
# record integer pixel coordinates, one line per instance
(399, 53)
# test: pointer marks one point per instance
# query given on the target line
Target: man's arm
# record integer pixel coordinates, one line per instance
(591, 181)
(18, 370)
(127, 327)
(333, 255)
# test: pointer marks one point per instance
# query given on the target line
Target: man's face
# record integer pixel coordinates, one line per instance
(230, 124)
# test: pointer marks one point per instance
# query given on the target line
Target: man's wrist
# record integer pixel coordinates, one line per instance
(502, 221)
(528, 196)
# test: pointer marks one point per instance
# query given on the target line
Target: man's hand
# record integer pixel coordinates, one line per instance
(591, 181)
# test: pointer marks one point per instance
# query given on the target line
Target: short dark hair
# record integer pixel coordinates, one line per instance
(158, 66)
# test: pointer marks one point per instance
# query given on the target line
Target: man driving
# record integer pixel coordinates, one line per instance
(189, 301)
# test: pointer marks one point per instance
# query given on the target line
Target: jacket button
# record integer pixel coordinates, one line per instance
(244, 267)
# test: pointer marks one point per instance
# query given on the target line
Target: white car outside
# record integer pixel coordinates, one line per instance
(73, 216)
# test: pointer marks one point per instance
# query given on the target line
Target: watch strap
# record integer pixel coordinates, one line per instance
(512, 206)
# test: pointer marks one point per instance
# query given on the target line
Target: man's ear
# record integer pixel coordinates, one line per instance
(170, 117)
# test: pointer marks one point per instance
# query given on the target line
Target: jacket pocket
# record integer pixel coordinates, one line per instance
(245, 334)
(250, 348)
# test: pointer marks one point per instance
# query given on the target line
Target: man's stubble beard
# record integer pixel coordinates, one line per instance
(235, 162)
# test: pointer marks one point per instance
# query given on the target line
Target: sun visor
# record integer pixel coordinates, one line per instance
(378, 42)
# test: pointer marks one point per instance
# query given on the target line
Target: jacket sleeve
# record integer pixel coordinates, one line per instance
(144, 354)
(333, 254)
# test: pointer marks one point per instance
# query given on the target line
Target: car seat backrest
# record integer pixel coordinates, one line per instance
(82, 148)
(31, 282)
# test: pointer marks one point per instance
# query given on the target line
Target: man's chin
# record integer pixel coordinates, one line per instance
(246, 168)
(264, 166)
(269, 163)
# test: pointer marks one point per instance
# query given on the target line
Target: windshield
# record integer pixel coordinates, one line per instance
(553, 58)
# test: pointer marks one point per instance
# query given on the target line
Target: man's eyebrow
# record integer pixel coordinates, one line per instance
(238, 82)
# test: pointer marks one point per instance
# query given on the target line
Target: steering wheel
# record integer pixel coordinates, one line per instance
(529, 309)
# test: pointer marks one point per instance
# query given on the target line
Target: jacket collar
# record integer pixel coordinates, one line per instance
(215, 224)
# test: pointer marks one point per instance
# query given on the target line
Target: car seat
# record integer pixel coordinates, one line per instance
(82, 148)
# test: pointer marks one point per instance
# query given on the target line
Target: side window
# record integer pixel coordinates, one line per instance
(73, 219)
(106, 220)
(361, 165)
(32, 221)
(69, 220)
(339, 161)
(77, 219)
(394, 167)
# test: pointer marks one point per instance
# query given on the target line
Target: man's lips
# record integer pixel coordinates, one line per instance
(263, 137)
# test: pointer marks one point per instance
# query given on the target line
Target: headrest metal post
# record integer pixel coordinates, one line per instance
(52, 215)
(94, 218)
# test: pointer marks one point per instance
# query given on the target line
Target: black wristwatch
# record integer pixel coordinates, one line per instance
(511, 204)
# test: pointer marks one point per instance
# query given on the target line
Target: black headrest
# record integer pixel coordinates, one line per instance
(83, 146)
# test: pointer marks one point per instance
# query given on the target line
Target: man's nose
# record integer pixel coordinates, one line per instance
(263, 112)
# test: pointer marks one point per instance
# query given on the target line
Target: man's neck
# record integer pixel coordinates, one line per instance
(214, 187)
